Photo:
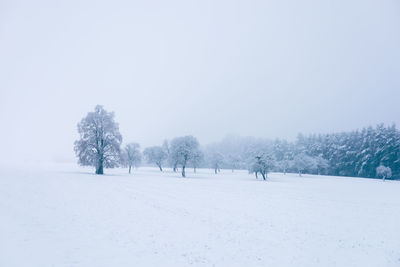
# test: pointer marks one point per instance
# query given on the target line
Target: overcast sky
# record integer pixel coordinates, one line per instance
(206, 68)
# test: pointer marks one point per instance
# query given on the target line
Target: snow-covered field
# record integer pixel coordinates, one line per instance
(63, 215)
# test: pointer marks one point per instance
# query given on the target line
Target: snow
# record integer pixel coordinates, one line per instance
(63, 215)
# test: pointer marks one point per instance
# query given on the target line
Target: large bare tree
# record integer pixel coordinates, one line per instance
(100, 140)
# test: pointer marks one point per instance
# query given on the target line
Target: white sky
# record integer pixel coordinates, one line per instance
(207, 68)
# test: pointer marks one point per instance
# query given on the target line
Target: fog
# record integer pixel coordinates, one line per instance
(207, 68)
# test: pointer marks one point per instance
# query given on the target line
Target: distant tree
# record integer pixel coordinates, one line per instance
(282, 151)
(165, 147)
(131, 156)
(100, 140)
(233, 161)
(197, 159)
(183, 149)
(356, 153)
(172, 161)
(284, 163)
(262, 163)
(156, 155)
(215, 159)
(321, 164)
(303, 162)
(383, 172)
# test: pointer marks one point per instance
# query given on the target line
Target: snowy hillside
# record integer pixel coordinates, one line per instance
(66, 216)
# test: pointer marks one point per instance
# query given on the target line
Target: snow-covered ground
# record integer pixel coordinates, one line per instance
(63, 215)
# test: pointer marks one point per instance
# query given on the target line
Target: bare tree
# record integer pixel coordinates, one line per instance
(100, 140)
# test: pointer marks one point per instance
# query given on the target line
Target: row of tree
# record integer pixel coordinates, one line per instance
(371, 152)
(100, 146)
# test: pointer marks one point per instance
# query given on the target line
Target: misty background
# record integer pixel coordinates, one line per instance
(206, 68)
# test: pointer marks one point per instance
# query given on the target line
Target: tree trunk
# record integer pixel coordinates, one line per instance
(300, 173)
(130, 167)
(256, 175)
(99, 169)
(263, 175)
(215, 170)
(183, 171)
(194, 169)
(159, 166)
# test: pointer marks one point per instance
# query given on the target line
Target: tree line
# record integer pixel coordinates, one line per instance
(370, 152)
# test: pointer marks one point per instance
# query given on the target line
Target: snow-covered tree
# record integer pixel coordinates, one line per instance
(303, 162)
(262, 163)
(233, 161)
(321, 164)
(197, 159)
(100, 140)
(172, 161)
(156, 155)
(356, 153)
(183, 149)
(383, 172)
(285, 163)
(165, 147)
(215, 159)
(131, 156)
